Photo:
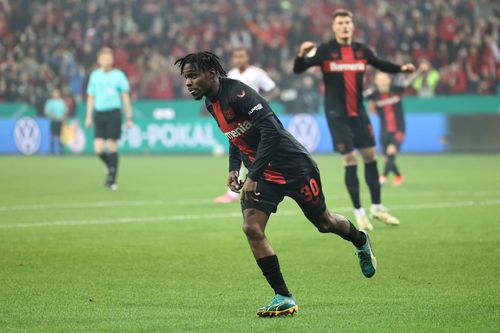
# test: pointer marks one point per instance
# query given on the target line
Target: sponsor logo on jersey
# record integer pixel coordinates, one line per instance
(359, 54)
(256, 108)
(338, 66)
(335, 55)
(388, 101)
(240, 130)
(241, 94)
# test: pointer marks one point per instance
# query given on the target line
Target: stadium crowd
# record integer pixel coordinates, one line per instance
(54, 43)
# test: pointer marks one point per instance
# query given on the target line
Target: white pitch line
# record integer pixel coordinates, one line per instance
(149, 219)
(180, 202)
(103, 204)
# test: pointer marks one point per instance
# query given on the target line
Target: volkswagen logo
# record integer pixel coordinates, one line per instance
(306, 130)
(27, 136)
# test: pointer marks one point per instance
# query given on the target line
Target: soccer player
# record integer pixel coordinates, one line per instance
(257, 79)
(107, 93)
(387, 100)
(56, 110)
(343, 63)
(278, 166)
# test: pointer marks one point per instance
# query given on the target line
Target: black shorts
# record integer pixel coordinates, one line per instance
(391, 138)
(306, 191)
(55, 128)
(349, 133)
(108, 124)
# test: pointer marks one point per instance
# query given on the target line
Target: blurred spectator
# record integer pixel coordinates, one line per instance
(52, 43)
(426, 84)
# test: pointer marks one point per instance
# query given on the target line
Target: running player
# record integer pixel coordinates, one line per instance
(257, 79)
(343, 63)
(386, 98)
(107, 92)
(278, 166)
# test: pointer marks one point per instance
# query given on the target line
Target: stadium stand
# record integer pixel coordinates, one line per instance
(54, 43)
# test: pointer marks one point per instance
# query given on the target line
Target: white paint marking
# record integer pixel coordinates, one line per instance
(107, 204)
(149, 219)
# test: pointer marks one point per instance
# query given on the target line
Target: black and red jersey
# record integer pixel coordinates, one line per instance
(256, 135)
(343, 68)
(389, 108)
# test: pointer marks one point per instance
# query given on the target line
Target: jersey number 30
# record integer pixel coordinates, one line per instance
(311, 191)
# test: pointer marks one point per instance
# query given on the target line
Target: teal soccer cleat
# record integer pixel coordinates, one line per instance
(279, 306)
(367, 259)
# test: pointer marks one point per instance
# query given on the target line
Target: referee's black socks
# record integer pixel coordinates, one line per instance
(371, 177)
(104, 158)
(270, 267)
(113, 163)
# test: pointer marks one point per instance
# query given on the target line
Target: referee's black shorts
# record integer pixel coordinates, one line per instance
(108, 124)
(349, 133)
(55, 128)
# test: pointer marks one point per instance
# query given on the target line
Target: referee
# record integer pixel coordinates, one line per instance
(107, 93)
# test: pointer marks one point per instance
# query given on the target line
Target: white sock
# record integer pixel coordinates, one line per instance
(376, 207)
(359, 212)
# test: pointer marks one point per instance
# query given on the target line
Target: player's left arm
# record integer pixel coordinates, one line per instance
(234, 168)
(387, 66)
(408, 81)
(369, 94)
(127, 105)
(234, 158)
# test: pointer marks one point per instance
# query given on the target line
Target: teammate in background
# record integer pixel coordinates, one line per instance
(343, 63)
(386, 98)
(107, 93)
(56, 110)
(257, 79)
(278, 166)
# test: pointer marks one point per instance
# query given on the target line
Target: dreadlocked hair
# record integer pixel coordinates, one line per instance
(204, 61)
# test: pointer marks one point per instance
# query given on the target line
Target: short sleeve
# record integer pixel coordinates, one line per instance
(123, 83)
(265, 82)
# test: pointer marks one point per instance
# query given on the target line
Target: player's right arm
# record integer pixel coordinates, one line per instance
(90, 101)
(302, 61)
(90, 111)
(234, 168)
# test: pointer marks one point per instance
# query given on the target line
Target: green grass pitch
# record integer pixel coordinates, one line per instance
(158, 256)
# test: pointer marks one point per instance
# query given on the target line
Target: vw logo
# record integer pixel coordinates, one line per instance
(27, 136)
(306, 130)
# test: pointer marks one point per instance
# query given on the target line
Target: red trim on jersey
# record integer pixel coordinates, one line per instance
(390, 117)
(218, 112)
(269, 175)
(274, 177)
(351, 98)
